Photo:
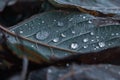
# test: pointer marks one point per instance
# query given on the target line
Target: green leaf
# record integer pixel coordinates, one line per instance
(62, 33)
(93, 5)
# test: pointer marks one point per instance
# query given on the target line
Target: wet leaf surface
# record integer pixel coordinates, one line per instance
(61, 33)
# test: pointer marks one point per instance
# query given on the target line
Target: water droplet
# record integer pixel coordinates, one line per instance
(60, 24)
(32, 45)
(43, 21)
(101, 44)
(92, 40)
(112, 34)
(92, 33)
(67, 64)
(13, 31)
(84, 17)
(119, 72)
(117, 34)
(63, 35)
(70, 19)
(97, 37)
(25, 24)
(73, 32)
(21, 32)
(55, 40)
(85, 40)
(42, 35)
(97, 47)
(89, 22)
(74, 46)
(86, 46)
(49, 71)
(54, 20)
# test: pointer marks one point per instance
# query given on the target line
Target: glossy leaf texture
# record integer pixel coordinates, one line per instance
(78, 72)
(94, 7)
(62, 33)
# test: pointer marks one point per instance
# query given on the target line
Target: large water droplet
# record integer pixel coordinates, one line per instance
(42, 35)
(85, 40)
(63, 35)
(101, 44)
(74, 46)
(55, 40)
(60, 24)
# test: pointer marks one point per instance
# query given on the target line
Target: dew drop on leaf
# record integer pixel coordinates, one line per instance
(49, 71)
(67, 64)
(74, 45)
(85, 46)
(55, 40)
(101, 44)
(43, 21)
(117, 34)
(84, 17)
(70, 19)
(73, 32)
(54, 20)
(85, 40)
(63, 35)
(92, 33)
(89, 22)
(42, 35)
(21, 32)
(60, 24)
(112, 34)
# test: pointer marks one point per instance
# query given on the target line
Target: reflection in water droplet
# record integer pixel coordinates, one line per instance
(63, 35)
(55, 40)
(73, 32)
(89, 22)
(42, 35)
(91, 33)
(85, 40)
(86, 46)
(101, 44)
(74, 46)
(21, 32)
(60, 24)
